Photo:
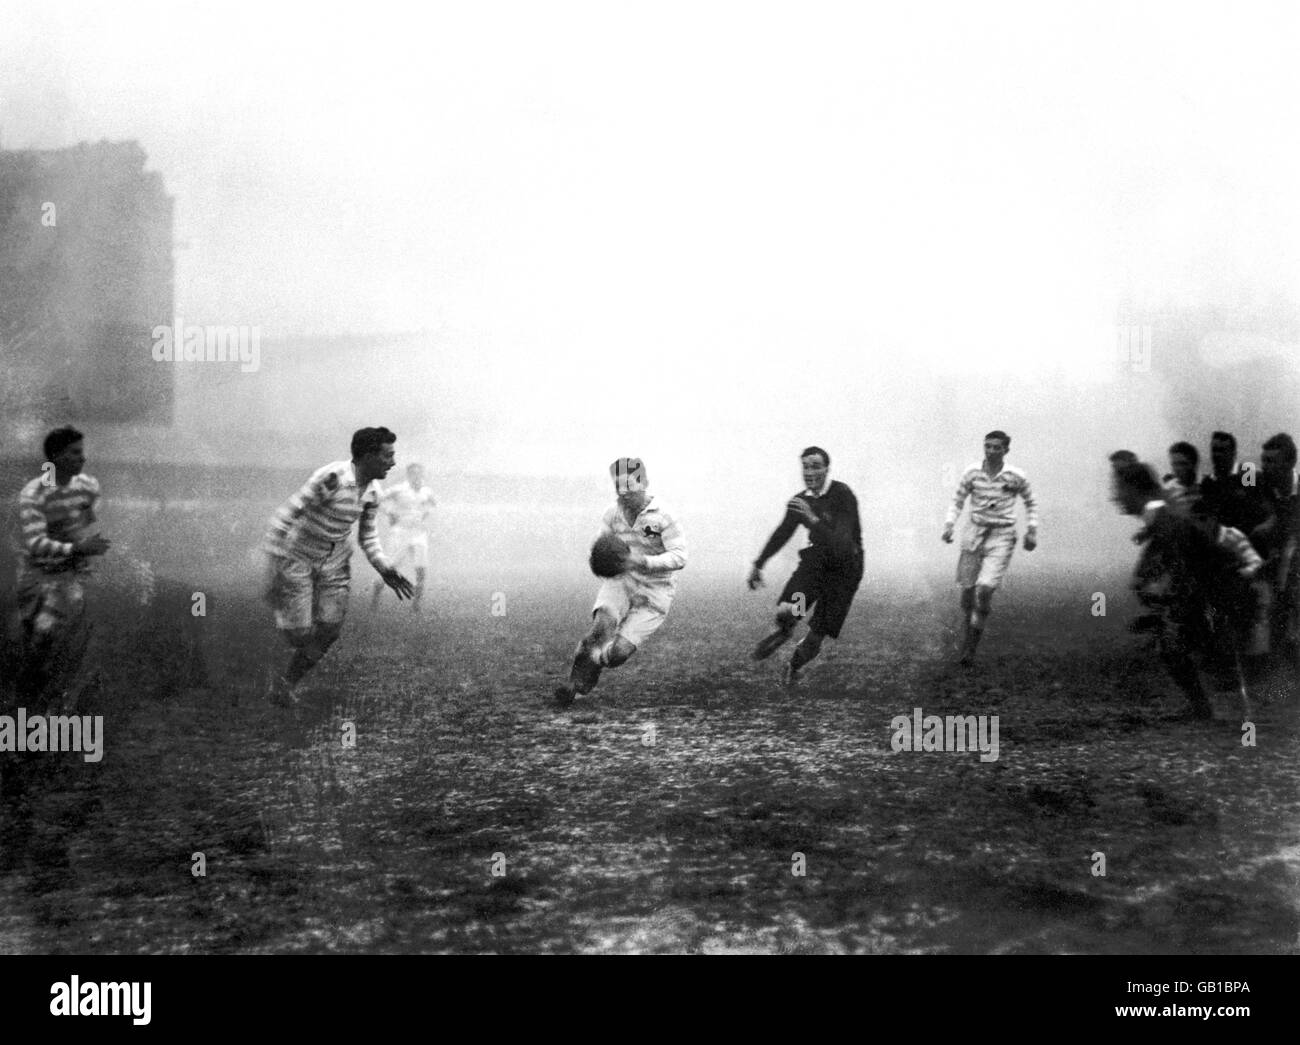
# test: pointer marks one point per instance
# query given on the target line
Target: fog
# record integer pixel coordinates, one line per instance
(533, 238)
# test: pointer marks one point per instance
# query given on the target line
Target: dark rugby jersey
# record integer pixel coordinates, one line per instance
(837, 532)
(1232, 503)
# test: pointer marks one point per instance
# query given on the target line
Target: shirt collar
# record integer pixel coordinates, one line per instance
(825, 486)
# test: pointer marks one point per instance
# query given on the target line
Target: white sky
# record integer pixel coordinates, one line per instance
(707, 207)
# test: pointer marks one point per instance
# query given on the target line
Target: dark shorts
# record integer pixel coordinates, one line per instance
(827, 586)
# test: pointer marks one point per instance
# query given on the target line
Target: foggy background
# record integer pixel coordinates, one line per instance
(533, 238)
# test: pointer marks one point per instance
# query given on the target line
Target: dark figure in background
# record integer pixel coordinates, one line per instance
(1276, 540)
(830, 567)
(1189, 562)
(1230, 495)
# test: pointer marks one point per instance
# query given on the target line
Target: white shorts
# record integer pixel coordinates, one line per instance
(639, 608)
(985, 555)
(303, 594)
(410, 547)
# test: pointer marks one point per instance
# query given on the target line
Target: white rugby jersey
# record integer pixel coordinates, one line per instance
(654, 533)
(993, 498)
(409, 507)
(311, 524)
(50, 518)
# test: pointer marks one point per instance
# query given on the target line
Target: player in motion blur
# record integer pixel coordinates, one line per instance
(309, 546)
(990, 536)
(629, 607)
(830, 567)
(56, 515)
(409, 506)
(1191, 565)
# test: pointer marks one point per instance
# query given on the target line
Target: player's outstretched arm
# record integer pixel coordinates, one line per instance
(964, 486)
(394, 579)
(1031, 516)
(783, 532)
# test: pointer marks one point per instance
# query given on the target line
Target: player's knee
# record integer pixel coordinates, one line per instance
(602, 626)
(419, 575)
(787, 615)
(619, 652)
(298, 638)
(325, 634)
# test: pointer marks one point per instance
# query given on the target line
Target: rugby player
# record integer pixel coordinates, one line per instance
(990, 537)
(56, 514)
(830, 566)
(309, 548)
(633, 605)
(409, 506)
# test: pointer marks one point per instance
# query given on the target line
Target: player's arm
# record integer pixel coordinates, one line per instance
(964, 487)
(35, 532)
(783, 532)
(1243, 552)
(368, 535)
(1031, 516)
(673, 557)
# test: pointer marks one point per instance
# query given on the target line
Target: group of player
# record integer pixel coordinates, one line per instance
(1218, 574)
(1218, 569)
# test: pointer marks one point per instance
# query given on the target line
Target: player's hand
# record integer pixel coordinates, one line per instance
(947, 535)
(803, 509)
(755, 580)
(404, 588)
(1031, 541)
(95, 545)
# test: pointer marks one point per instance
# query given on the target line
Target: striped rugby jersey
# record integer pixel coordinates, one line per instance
(654, 533)
(50, 518)
(311, 523)
(993, 498)
(410, 507)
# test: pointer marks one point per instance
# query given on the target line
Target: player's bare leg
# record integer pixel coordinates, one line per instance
(589, 658)
(786, 619)
(309, 646)
(806, 650)
(976, 604)
(378, 591)
(419, 589)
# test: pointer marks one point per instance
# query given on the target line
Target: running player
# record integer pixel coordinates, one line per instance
(56, 514)
(830, 567)
(990, 537)
(632, 606)
(310, 551)
(409, 506)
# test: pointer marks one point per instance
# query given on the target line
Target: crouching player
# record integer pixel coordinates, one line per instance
(631, 606)
(310, 551)
(56, 513)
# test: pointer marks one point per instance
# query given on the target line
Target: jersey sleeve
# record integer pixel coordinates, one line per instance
(673, 557)
(964, 487)
(1031, 504)
(368, 533)
(784, 531)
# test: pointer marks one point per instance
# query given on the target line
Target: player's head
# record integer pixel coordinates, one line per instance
(996, 443)
(630, 481)
(1278, 459)
(373, 453)
(64, 449)
(1134, 486)
(816, 463)
(1223, 452)
(415, 474)
(1120, 458)
(1183, 459)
